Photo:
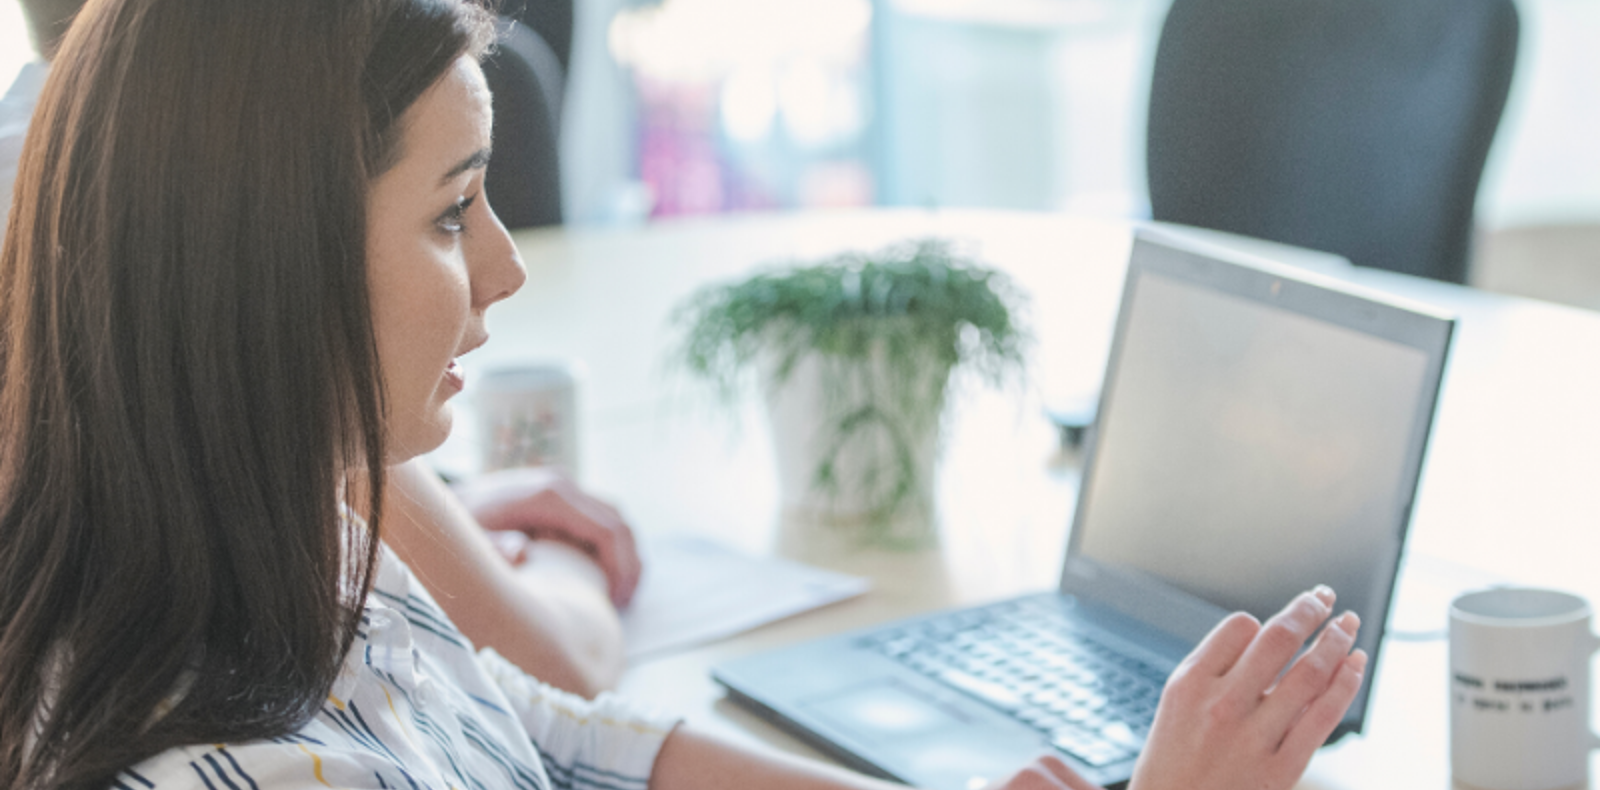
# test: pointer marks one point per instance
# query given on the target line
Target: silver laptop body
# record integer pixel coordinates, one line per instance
(1261, 429)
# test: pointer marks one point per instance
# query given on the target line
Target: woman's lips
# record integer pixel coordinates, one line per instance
(454, 375)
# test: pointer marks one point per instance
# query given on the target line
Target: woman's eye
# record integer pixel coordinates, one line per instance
(453, 220)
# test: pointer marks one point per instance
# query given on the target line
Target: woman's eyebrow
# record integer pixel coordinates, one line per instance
(477, 161)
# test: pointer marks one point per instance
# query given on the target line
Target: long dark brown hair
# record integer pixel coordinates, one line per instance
(189, 370)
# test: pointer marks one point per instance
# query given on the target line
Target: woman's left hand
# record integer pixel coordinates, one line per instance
(541, 504)
(1231, 717)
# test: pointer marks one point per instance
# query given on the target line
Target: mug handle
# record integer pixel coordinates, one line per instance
(1594, 647)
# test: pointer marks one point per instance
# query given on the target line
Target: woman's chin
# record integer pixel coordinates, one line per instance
(421, 437)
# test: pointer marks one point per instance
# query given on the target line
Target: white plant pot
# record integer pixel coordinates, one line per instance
(804, 411)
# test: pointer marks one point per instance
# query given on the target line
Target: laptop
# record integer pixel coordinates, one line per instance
(1261, 428)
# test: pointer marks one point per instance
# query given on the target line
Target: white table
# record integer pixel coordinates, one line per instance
(1512, 484)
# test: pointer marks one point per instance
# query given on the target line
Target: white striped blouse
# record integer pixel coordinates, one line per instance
(414, 707)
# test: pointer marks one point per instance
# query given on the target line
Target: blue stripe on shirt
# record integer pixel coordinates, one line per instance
(581, 774)
(488, 704)
(428, 618)
(209, 785)
(427, 726)
(238, 769)
(485, 741)
(216, 768)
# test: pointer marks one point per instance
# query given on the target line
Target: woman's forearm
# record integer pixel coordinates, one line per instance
(553, 619)
(692, 760)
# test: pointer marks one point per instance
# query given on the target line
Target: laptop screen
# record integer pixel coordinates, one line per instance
(1257, 435)
(1279, 442)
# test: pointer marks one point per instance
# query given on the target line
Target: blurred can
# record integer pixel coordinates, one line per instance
(528, 416)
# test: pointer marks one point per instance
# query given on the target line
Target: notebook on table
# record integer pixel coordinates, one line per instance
(1260, 429)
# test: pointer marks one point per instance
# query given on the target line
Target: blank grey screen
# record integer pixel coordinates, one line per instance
(1246, 453)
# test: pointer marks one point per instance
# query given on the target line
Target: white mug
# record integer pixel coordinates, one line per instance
(528, 416)
(1519, 689)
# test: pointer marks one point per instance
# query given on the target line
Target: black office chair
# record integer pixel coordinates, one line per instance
(551, 19)
(1358, 127)
(524, 177)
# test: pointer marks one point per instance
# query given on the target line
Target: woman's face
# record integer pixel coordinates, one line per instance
(437, 257)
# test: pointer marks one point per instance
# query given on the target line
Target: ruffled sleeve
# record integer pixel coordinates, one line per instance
(604, 743)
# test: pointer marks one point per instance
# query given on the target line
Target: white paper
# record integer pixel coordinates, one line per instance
(695, 591)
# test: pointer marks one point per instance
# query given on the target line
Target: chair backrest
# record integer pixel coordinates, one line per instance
(551, 19)
(1358, 127)
(524, 177)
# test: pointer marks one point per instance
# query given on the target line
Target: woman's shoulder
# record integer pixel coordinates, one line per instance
(406, 657)
(389, 720)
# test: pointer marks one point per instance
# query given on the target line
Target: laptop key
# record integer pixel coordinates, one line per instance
(1121, 734)
(990, 692)
(1088, 701)
(1091, 751)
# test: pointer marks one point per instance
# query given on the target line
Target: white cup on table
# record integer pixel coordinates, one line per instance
(527, 415)
(1519, 689)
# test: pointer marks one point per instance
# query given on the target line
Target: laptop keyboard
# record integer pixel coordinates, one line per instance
(1027, 660)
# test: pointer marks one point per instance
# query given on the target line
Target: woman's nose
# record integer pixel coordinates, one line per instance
(497, 270)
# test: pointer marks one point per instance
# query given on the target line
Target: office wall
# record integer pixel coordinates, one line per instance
(985, 113)
(1032, 104)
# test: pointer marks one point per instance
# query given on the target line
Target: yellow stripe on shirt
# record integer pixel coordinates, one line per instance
(316, 763)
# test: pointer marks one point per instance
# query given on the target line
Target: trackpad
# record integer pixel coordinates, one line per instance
(880, 712)
(908, 732)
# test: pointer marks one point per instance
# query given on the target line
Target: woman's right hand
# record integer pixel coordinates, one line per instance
(1227, 720)
(1230, 718)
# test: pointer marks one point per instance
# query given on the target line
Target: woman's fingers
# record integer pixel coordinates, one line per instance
(513, 546)
(610, 541)
(545, 504)
(1063, 772)
(1311, 730)
(1311, 674)
(1221, 648)
(633, 571)
(1046, 773)
(619, 553)
(1220, 727)
(1279, 639)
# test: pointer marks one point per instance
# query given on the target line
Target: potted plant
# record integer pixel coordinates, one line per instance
(854, 355)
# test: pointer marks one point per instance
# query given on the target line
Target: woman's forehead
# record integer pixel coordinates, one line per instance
(448, 124)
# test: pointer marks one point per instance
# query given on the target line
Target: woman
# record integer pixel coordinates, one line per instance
(248, 245)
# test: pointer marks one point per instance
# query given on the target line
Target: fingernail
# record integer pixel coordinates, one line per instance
(1360, 659)
(1349, 622)
(1324, 593)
